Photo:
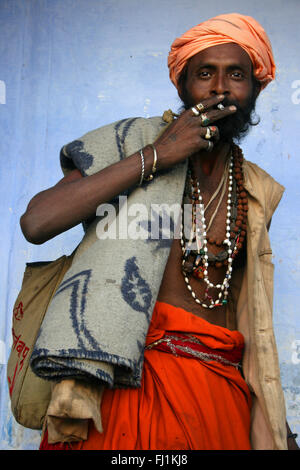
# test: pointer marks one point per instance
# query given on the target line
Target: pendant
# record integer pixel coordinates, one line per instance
(198, 273)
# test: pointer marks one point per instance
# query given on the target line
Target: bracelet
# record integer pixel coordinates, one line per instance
(292, 436)
(150, 177)
(143, 167)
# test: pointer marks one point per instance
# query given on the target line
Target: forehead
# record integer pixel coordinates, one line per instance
(222, 54)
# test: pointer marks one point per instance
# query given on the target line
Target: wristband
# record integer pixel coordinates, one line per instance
(143, 167)
(150, 177)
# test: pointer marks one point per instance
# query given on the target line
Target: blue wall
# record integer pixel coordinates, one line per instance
(69, 66)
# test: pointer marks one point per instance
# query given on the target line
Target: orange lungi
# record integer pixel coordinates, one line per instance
(192, 396)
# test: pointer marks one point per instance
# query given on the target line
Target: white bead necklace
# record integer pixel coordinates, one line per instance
(198, 234)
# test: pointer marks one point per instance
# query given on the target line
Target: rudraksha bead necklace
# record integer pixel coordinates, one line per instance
(196, 257)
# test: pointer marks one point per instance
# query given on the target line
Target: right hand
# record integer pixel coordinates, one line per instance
(186, 135)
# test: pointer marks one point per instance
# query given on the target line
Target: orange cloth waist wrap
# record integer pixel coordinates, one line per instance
(192, 394)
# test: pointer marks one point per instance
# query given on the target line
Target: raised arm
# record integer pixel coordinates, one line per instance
(75, 199)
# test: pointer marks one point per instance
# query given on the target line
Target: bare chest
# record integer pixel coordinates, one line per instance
(173, 288)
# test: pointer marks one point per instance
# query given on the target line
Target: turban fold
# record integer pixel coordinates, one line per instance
(222, 29)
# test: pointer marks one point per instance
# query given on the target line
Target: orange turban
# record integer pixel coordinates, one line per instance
(239, 29)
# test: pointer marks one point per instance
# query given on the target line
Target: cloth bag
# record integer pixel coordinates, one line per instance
(30, 395)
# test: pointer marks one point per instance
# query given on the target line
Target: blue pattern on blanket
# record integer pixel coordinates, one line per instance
(160, 229)
(80, 157)
(121, 139)
(79, 287)
(135, 290)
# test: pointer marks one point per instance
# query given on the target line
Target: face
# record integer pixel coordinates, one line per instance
(223, 69)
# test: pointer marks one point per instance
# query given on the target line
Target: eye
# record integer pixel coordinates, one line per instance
(237, 74)
(204, 74)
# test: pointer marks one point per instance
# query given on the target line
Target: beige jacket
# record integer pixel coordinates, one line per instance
(250, 307)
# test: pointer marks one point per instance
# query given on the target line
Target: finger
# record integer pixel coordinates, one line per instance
(205, 105)
(214, 115)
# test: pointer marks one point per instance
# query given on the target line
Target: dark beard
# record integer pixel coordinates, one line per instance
(236, 126)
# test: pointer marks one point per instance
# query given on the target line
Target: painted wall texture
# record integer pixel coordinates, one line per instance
(69, 66)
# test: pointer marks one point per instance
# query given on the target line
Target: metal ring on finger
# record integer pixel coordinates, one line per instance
(204, 119)
(195, 111)
(200, 107)
(208, 134)
(214, 131)
(210, 146)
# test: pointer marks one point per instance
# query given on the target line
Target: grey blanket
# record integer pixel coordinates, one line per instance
(97, 322)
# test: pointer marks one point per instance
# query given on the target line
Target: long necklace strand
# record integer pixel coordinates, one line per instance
(197, 240)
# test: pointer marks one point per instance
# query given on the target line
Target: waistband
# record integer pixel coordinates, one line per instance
(186, 345)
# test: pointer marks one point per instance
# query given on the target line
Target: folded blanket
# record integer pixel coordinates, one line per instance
(97, 322)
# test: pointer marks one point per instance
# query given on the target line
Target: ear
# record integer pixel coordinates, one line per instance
(180, 91)
(181, 83)
(257, 89)
(256, 86)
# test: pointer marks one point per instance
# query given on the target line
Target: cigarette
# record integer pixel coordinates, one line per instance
(220, 106)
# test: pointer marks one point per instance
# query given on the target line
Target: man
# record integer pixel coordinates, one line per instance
(214, 298)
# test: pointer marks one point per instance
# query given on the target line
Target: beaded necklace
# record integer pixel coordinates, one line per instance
(195, 256)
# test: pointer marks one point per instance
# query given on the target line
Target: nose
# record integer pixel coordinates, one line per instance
(220, 85)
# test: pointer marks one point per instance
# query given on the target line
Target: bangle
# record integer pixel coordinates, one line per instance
(292, 435)
(150, 177)
(143, 167)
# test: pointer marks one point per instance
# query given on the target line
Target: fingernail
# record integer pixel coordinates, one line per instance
(232, 108)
